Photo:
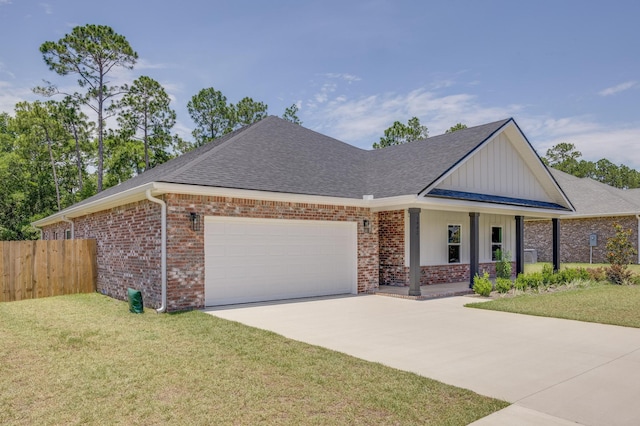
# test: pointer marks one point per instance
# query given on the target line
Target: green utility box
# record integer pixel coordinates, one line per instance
(135, 301)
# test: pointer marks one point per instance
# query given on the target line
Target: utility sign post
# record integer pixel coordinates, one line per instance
(593, 241)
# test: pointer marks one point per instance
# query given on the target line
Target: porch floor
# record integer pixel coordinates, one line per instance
(432, 291)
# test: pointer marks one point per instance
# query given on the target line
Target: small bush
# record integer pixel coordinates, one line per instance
(482, 285)
(619, 274)
(503, 285)
(503, 264)
(596, 274)
(521, 282)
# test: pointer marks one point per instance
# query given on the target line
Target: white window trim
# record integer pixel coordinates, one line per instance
(459, 244)
(491, 243)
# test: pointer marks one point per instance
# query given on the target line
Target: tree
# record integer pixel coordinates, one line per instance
(91, 52)
(562, 155)
(38, 122)
(213, 117)
(457, 126)
(145, 115)
(400, 133)
(291, 114)
(248, 111)
(76, 124)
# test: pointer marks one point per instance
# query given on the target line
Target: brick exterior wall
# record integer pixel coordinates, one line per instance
(391, 250)
(128, 248)
(574, 237)
(128, 240)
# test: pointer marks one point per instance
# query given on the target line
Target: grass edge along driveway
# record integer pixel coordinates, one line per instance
(84, 359)
(604, 304)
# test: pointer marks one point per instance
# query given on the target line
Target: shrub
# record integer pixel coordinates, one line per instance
(620, 252)
(619, 274)
(503, 285)
(521, 282)
(596, 274)
(482, 285)
(503, 264)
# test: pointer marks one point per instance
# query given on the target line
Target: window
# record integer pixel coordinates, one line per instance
(453, 243)
(496, 242)
(67, 234)
(55, 235)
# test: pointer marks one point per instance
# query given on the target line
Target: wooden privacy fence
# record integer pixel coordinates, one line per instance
(34, 269)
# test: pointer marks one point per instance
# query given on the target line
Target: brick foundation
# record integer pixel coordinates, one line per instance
(574, 237)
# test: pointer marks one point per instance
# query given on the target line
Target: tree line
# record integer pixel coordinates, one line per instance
(52, 154)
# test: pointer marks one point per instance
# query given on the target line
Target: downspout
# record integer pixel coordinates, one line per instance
(73, 228)
(163, 255)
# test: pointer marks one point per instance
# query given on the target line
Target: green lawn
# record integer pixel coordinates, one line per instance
(605, 304)
(537, 267)
(84, 359)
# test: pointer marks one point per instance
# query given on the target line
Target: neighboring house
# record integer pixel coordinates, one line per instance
(597, 208)
(275, 210)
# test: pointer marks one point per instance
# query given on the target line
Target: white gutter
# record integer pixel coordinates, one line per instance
(163, 264)
(73, 228)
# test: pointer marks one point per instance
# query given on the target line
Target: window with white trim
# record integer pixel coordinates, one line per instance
(453, 243)
(496, 242)
(67, 234)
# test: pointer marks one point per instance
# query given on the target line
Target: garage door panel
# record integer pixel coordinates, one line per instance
(250, 260)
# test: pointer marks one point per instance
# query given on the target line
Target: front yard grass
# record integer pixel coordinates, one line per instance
(605, 304)
(84, 359)
(537, 267)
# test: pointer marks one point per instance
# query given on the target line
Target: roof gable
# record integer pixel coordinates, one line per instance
(504, 166)
(409, 168)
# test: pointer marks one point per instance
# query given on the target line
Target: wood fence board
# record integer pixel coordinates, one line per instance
(35, 269)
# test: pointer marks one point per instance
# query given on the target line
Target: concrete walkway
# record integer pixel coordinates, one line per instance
(555, 372)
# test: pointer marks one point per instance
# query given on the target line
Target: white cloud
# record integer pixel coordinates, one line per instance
(4, 70)
(11, 95)
(349, 78)
(594, 140)
(48, 9)
(362, 120)
(619, 88)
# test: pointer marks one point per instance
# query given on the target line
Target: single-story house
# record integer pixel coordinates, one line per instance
(585, 232)
(275, 210)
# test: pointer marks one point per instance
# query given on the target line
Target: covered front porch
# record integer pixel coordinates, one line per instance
(428, 252)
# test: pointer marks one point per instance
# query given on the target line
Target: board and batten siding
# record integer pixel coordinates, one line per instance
(434, 234)
(497, 169)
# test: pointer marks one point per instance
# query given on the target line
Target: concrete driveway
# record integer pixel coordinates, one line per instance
(553, 371)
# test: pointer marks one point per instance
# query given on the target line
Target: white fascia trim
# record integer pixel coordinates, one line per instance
(177, 188)
(124, 197)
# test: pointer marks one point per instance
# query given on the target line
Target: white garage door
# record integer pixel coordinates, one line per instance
(252, 260)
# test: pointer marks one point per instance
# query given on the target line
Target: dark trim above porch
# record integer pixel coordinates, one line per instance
(496, 199)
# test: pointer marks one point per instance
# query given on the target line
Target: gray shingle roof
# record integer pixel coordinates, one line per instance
(591, 198)
(278, 156)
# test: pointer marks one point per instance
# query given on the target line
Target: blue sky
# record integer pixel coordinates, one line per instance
(567, 71)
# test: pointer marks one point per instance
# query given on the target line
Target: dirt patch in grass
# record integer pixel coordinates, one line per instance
(85, 359)
(605, 304)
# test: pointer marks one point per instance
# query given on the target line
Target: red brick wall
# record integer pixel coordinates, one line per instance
(128, 240)
(574, 237)
(128, 248)
(186, 247)
(391, 241)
